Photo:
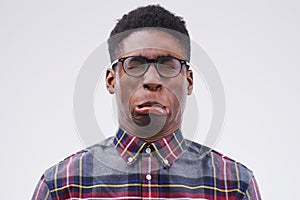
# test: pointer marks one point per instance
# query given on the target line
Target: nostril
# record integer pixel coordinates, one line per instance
(146, 86)
(158, 87)
(152, 86)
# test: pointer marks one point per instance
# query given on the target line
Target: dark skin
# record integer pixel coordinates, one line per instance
(150, 107)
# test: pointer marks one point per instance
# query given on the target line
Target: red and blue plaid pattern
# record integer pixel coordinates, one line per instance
(166, 150)
(126, 167)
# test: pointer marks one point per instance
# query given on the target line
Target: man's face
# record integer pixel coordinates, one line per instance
(150, 106)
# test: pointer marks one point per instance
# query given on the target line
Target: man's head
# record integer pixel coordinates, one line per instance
(150, 75)
(152, 16)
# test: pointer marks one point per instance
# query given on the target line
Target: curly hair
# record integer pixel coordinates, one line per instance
(148, 17)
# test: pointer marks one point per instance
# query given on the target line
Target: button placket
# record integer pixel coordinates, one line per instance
(150, 172)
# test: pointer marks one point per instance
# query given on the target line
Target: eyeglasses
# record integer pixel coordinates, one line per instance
(166, 66)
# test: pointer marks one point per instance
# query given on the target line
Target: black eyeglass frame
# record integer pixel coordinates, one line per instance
(149, 62)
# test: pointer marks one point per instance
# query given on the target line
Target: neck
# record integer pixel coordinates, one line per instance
(151, 136)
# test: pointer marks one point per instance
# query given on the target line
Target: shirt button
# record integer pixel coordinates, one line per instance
(148, 177)
(130, 159)
(148, 150)
(166, 162)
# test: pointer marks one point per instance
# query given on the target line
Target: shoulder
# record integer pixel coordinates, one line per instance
(72, 165)
(219, 165)
(218, 170)
(239, 171)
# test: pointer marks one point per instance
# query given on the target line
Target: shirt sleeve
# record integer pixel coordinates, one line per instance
(252, 192)
(41, 191)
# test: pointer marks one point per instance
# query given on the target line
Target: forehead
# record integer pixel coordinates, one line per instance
(151, 43)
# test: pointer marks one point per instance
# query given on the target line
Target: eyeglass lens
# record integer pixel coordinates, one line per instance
(166, 66)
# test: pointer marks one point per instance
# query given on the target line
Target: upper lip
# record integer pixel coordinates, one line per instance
(150, 103)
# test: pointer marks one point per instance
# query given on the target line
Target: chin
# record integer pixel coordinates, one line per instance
(149, 125)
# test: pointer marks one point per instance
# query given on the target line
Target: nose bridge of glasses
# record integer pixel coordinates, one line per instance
(149, 63)
(152, 68)
(152, 79)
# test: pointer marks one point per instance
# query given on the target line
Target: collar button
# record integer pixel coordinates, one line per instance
(166, 162)
(130, 159)
(148, 150)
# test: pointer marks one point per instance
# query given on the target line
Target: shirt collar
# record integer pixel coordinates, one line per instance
(167, 150)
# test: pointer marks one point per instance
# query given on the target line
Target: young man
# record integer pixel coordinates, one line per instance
(149, 157)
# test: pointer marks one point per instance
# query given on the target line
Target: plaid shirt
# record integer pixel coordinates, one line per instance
(126, 167)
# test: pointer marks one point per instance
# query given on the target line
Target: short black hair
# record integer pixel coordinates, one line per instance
(147, 17)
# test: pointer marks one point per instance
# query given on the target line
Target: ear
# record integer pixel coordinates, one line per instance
(110, 80)
(190, 80)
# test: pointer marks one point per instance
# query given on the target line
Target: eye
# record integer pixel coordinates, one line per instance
(133, 62)
(169, 63)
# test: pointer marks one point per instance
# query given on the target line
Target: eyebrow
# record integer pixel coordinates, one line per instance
(161, 56)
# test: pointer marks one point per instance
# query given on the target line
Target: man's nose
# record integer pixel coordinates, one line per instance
(152, 80)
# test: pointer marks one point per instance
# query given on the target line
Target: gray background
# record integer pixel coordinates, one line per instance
(254, 45)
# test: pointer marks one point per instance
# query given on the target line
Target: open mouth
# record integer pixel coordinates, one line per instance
(152, 108)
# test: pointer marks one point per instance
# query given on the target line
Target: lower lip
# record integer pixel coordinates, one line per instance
(152, 110)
